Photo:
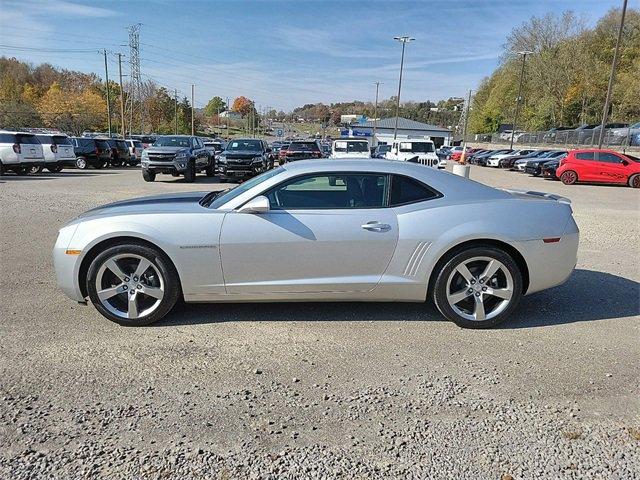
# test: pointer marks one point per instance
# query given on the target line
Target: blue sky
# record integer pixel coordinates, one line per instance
(282, 53)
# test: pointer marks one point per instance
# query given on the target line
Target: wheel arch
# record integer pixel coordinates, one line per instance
(481, 242)
(99, 247)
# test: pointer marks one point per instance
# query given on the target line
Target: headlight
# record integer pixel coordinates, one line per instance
(145, 155)
(181, 155)
(222, 159)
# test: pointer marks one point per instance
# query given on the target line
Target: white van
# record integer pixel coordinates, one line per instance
(58, 151)
(350, 148)
(414, 150)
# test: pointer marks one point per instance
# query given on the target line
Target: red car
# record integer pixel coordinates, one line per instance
(599, 166)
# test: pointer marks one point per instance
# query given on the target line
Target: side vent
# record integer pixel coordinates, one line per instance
(416, 258)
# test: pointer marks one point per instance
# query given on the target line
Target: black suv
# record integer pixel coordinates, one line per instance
(302, 150)
(91, 152)
(120, 154)
(177, 155)
(244, 158)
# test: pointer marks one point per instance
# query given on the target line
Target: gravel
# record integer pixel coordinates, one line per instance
(317, 390)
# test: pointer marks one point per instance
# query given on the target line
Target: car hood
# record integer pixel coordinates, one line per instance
(167, 203)
(166, 149)
(240, 154)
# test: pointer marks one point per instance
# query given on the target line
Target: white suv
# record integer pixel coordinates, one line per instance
(58, 151)
(19, 152)
(415, 151)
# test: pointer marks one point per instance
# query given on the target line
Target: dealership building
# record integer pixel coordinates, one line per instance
(407, 129)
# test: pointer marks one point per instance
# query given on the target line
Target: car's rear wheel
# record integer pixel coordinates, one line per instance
(21, 171)
(35, 170)
(55, 168)
(634, 181)
(190, 173)
(81, 163)
(148, 175)
(478, 287)
(569, 177)
(132, 285)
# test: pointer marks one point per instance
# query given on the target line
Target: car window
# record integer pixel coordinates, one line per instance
(246, 145)
(230, 194)
(171, 142)
(330, 191)
(27, 139)
(7, 138)
(607, 157)
(304, 146)
(61, 140)
(405, 190)
(44, 138)
(584, 156)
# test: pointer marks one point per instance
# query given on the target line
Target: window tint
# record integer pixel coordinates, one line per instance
(44, 138)
(584, 156)
(61, 140)
(607, 157)
(304, 146)
(27, 139)
(7, 138)
(329, 190)
(406, 190)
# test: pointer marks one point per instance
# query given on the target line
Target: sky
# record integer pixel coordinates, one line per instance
(282, 53)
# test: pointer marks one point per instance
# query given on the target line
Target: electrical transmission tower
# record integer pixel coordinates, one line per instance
(135, 80)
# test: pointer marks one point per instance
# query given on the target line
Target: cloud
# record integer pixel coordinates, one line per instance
(58, 7)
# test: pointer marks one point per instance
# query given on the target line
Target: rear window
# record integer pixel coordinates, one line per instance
(137, 144)
(584, 156)
(44, 138)
(7, 138)
(27, 139)
(102, 144)
(405, 190)
(61, 140)
(351, 146)
(121, 145)
(304, 146)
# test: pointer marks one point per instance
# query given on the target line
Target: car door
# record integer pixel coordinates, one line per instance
(609, 168)
(324, 232)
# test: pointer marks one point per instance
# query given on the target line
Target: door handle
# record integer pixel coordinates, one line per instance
(376, 227)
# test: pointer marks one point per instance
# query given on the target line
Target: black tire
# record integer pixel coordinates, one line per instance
(452, 262)
(172, 290)
(634, 181)
(148, 175)
(55, 169)
(35, 170)
(81, 163)
(190, 173)
(21, 171)
(210, 171)
(1, 169)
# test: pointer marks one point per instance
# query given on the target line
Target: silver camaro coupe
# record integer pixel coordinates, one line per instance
(322, 230)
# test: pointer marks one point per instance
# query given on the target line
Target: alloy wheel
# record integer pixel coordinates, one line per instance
(129, 286)
(479, 288)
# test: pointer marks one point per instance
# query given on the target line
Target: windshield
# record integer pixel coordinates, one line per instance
(416, 147)
(250, 145)
(304, 146)
(172, 142)
(229, 195)
(351, 147)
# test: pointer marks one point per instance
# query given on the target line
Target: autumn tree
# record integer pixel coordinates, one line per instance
(243, 106)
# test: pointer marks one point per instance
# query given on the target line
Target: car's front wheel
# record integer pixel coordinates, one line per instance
(132, 285)
(190, 173)
(148, 175)
(634, 181)
(478, 287)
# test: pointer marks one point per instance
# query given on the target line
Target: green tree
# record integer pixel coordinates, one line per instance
(215, 106)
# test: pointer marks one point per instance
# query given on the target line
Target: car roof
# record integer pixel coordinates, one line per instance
(17, 132)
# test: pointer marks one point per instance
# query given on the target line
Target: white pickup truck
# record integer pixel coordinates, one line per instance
(415, 151)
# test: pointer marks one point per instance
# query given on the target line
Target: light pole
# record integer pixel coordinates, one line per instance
(404, 40)
(612, 76)
(375, 115)
(464, 130)
(519, 99)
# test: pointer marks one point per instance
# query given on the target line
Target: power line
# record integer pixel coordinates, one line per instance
(48, 50)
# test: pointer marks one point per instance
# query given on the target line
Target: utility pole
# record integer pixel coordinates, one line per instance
(519, 99)
(193, 89)
(375, 115)
(106, 76)
(404, 40)
(175, 109)
(122, 129)
(464, 130)
(612, 76)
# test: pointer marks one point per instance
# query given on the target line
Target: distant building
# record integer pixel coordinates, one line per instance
(231, 115)
(347, 119)
(406, 129)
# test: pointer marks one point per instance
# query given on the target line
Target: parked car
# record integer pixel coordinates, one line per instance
(91, 152)
(508, 161)
(58, 151)
(625, 136)
(414, 151)
(535, 166)
(599, 166)
(146, 140)
(350, 148)
(177, 155)
(494, 160)
(120, 155)
(549, 169)
(443, 152)
(482, 158)
(282, 152)
(20, 152)
(301, 150)
(381, 151)
(556, 134)
(135, 150)
(367, 230)
(521, 164)
(243, 159)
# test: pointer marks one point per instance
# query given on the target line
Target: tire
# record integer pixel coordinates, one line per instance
(210, 171)
(81, 163)
(569, 177)
(35, 170)
(21, 171)
(190, 173)
(55, 169)
(634, 181)
(159, 277)
(507, 280)
(148, 175)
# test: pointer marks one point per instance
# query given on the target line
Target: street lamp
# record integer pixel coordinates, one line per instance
(519, 99)
(375, 115)
(404, 40)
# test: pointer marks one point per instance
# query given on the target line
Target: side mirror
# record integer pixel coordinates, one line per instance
(260, 204)
(625, 163)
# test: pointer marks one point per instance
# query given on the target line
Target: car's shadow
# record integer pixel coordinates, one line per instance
(587, 296)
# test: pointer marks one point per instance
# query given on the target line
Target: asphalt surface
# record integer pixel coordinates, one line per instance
(317, 390)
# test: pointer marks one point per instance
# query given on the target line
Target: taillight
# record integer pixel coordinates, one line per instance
(54, 148)
(562, 161)
(16, 147)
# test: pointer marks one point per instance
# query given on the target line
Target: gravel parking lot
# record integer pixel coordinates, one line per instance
(317, 390)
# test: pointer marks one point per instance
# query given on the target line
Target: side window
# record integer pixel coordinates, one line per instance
(584, 156)
(330, 191)
(405, 190)
(607, 157)
(7, 138)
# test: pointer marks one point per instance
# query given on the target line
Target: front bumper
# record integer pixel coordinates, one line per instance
(67, 266)
(235, 170)
(175, 166)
